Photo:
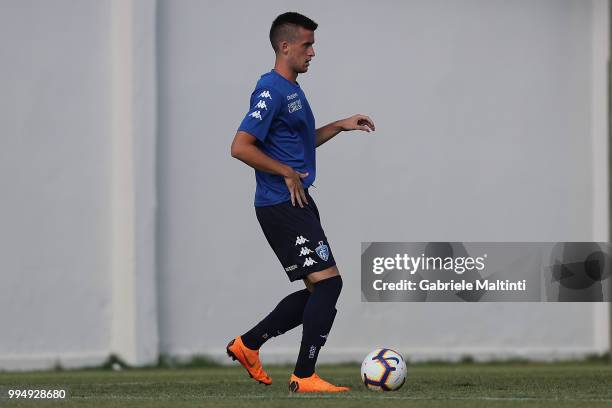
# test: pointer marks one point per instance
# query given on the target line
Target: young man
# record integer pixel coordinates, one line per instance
(278, 139)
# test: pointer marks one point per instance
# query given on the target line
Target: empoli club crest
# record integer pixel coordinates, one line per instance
(322, 250)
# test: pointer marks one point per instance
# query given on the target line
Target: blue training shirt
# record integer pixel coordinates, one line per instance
(282, 121)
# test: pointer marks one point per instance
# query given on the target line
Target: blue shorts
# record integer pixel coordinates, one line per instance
(296, 237)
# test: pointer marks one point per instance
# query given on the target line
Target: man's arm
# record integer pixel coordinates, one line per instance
(244, 149)
(355, 122)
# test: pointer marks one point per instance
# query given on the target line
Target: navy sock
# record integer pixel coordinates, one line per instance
(286, 316)
(307, 358)
(318, 319)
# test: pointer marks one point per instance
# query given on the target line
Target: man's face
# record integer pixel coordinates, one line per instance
(301, 51)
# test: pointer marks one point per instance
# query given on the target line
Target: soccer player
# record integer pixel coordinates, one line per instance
(278, 139)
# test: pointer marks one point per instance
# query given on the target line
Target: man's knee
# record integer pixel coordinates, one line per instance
(321, 275)
(309, 285)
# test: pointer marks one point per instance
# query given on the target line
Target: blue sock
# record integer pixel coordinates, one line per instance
(286, 316)
(318, 319)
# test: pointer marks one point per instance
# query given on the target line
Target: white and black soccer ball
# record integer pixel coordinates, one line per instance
(383, 370)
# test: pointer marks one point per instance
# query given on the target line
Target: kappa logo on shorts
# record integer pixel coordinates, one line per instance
(322, 250)
(305, 251)
(300, 240)
(309, 262)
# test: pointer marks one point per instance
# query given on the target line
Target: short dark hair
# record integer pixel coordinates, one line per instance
(284, 27)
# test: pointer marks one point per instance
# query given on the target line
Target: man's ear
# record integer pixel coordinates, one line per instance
(283, 47)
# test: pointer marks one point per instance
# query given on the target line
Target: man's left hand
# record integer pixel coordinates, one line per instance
(358, 122)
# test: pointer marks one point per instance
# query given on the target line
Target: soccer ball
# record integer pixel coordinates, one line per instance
(383, 370)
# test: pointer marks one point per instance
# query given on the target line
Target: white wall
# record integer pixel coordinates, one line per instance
(54, 127)
(484, 133)
(79, 121)
(127, 228)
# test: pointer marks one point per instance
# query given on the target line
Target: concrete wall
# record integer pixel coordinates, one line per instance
(78, 124)
(128, 229)
(484, 114)
(55, 156)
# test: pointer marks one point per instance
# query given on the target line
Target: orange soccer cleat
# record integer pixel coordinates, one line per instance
(314, 383)
(249, 360)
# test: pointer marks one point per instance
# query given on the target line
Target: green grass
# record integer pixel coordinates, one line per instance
(428, 385)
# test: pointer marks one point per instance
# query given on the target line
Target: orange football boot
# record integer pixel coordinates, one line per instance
(249, 360)
(314, 383)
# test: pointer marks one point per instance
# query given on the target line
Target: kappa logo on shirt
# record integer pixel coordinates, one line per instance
(265, 94)
(261, 105)
(256, 115)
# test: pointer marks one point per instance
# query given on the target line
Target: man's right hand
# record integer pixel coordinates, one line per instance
(293, 179)
(244, 148)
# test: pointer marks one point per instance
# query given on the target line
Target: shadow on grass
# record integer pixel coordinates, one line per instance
(115, 363)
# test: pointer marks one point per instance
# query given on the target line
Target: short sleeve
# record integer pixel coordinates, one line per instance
(265, 105)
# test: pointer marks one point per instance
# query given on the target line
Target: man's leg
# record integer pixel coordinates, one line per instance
(318, 319)
(286, 316)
